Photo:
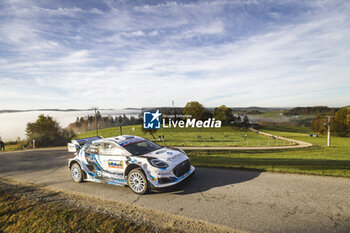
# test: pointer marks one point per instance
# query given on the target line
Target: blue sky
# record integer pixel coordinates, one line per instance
(116, 54)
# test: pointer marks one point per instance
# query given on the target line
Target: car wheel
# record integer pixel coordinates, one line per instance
(137, 181)
(76, 172)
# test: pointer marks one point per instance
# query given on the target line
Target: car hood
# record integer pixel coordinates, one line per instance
(167, 154)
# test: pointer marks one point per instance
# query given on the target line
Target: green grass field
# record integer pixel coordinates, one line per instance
(13, 147)
(224, 136)
(19, 146)
(316, 160)
(278, 117)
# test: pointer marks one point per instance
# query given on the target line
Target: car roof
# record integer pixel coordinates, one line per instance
(121, 140)
(82, 141)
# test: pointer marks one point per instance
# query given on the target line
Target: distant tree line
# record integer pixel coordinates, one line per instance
(88, 123)
(249, 112)
(310, 111)
(222, 113)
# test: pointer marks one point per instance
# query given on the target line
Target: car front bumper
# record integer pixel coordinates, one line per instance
(172, 180)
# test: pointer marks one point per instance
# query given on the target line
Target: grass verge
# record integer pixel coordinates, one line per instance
(19, 213)
(316, 160)
(30, 208)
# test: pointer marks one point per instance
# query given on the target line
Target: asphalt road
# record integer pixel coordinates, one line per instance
(248, 201)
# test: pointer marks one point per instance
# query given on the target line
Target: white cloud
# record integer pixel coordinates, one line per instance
(61, 11)
(96, 11)
(214, 28)
(174, 51)
(153, 33)
(137, 33)
(274, 15)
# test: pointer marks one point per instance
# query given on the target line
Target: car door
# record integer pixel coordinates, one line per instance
(113, 161)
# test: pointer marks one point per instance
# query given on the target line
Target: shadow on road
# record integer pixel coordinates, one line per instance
(207, 178)
(33, 161)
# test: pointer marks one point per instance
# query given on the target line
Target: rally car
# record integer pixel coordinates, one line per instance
(128, 161)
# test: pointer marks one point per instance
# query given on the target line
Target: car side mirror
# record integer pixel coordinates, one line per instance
(124, 153)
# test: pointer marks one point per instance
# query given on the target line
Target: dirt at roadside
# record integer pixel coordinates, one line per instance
(156, 219)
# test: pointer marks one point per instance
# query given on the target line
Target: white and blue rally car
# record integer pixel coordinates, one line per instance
(128, 160)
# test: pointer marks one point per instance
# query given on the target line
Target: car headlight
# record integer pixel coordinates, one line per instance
(157, 163)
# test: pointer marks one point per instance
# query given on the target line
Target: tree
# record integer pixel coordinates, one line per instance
(223, 113)
(207, 115)
(319, 125)
(246, 119)
(150, 131)
(47, 132)
(195, 109)
(341, 122)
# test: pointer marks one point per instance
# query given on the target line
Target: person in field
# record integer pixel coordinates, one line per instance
(2, 145)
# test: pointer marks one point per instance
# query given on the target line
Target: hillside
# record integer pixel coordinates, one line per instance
(310, 111)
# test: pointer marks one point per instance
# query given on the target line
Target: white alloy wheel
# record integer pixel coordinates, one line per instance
(77, 174)
(137, 181)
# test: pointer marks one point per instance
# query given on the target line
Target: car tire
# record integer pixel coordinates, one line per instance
(76, 173)
(137, 181)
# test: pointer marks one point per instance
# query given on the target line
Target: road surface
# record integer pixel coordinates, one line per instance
(243, 200)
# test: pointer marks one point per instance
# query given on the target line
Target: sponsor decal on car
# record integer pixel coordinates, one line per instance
(117, 176)
(115, 164)
(160, 152)
(131, 141)
(164, 173)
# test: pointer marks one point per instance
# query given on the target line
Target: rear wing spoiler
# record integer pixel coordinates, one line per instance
(76, 144)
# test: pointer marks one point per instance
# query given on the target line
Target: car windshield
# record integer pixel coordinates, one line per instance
(142, 147)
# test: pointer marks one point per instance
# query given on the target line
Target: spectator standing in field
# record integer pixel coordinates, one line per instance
(2, 145)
